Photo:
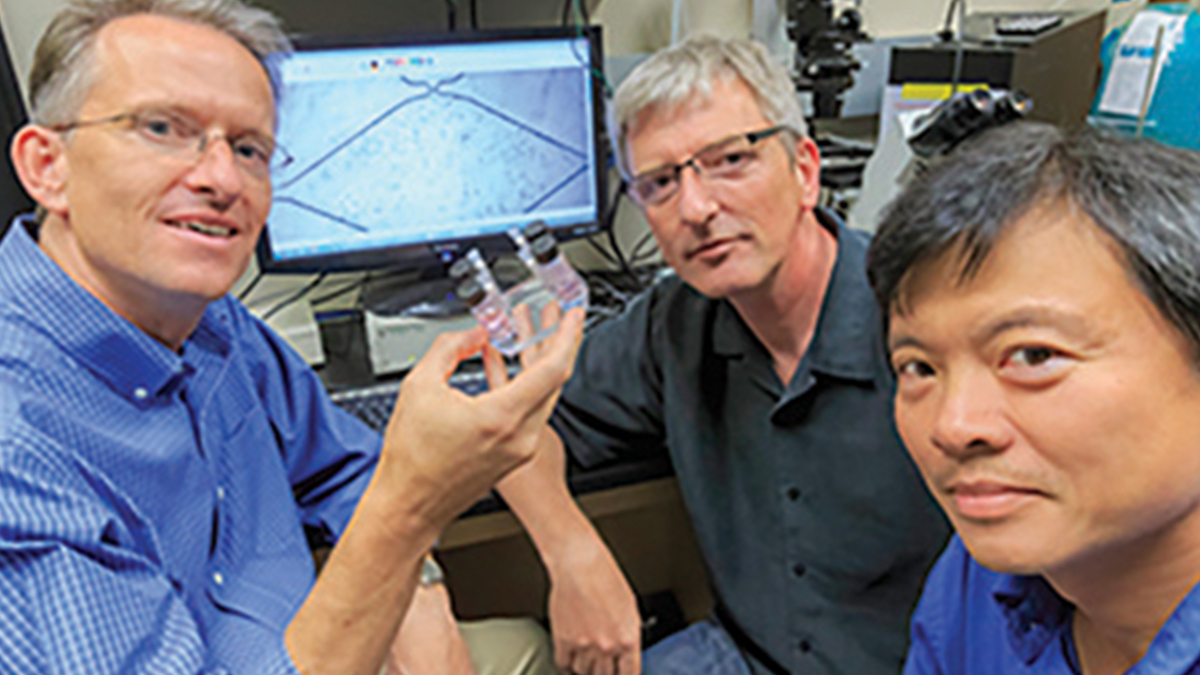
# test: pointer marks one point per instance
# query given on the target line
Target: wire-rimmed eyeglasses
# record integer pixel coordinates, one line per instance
(175, 133)
(730, 158)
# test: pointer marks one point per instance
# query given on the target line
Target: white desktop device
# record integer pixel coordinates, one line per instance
(395, 343)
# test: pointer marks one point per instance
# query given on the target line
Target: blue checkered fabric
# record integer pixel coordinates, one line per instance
(153, 504)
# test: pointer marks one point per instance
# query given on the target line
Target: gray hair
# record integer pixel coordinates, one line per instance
(674, 75)
(1144, 196)
(63, 65)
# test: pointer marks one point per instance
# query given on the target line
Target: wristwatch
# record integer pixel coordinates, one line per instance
(431, 572)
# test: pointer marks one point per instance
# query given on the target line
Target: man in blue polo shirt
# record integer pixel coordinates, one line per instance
(1043, 293)
(163, 453)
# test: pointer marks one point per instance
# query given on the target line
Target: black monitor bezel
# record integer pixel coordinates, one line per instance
(423, 257)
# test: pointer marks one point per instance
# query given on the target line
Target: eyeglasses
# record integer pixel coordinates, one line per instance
(177, 134)
(729, 159)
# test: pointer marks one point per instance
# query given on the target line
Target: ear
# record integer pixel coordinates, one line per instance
(39, 158)
(808, 170)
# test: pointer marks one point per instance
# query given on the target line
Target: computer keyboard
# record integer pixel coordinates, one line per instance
(373, 404)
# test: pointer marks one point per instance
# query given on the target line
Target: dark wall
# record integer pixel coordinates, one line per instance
(13, 199)
(373, 18)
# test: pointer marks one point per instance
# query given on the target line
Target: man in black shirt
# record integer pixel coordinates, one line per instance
(760, 368)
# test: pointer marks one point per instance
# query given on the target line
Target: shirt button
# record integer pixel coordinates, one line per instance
(220, 493)
(793, 493)
(799, 569)
(218, 578)
(140, 393)
(805, 646)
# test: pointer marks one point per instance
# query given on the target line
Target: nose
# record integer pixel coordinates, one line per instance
(697, 206)
(970, 418)
(216, 173)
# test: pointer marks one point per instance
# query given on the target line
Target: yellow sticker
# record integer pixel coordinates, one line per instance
(934, 91)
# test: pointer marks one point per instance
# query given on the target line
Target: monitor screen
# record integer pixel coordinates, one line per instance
(407, 153)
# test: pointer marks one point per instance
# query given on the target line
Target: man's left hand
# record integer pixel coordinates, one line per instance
(593, 612)
(593, 615)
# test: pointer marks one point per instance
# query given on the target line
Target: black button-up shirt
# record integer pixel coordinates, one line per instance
(813, 522)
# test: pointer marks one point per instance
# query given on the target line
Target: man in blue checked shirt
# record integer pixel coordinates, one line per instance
(1043, 291)
(162, 452)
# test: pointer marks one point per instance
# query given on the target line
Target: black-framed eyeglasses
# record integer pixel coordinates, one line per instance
(178, 134)
(728, 159)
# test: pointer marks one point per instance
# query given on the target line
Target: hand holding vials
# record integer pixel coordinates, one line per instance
(538, 250)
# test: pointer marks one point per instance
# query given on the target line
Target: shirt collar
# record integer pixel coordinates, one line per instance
(120, 354)
(1175, 648)
(1036, 616)
(844, 342)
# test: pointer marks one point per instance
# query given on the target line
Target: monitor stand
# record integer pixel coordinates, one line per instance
(430, 294)
(405, 312)
(395, 343)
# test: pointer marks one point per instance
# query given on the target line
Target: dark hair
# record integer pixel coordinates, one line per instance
(1143, 195)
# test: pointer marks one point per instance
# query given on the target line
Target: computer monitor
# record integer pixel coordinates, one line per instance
(405, 153)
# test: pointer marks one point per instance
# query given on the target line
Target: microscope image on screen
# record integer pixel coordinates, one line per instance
(408, 144)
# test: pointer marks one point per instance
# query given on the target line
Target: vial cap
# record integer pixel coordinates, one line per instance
(461, 269)
(471, 292)
(536, 229)
(545, 248)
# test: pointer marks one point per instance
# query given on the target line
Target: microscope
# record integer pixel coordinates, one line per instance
(824, 64)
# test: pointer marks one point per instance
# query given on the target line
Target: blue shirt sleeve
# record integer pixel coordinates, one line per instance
(330, 455)
(78, 593)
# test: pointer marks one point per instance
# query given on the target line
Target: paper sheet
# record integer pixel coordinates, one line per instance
(1129, 77)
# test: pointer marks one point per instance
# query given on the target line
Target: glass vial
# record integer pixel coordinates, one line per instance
(491, 311)
(555, 272)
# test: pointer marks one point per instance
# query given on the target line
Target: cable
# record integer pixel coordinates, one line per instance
(958, 48)
(611, 217)
(616, 247)
(947, 32)
(605, 288)
(609, 221)
(294, 297)
(451, 13)
(639, 255)
(677, 19)
(604, 253)
(335, 294)
(581, 11)
(245, 293)
(473, 6)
